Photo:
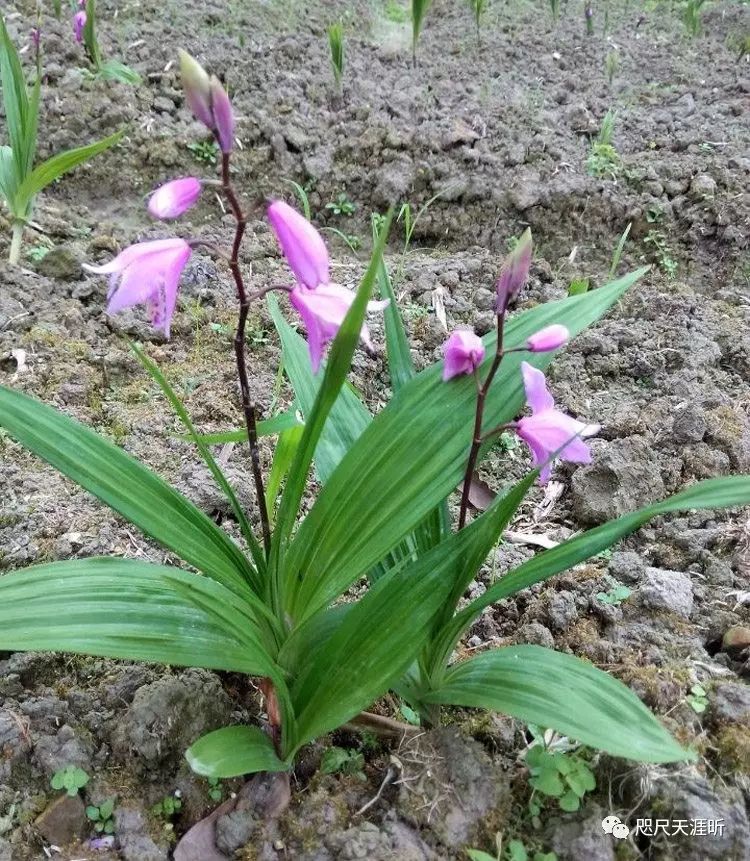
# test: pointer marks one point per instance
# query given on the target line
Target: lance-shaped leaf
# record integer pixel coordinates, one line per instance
(126, 486)
(233, 751)
(120, 608)
(563, 693)
(712, 493)
(413, 455)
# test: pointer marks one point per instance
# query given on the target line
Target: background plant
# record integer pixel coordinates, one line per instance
(691, 17)
(112, 70)
(20, 180)
(336, 47)
(603, 160)
(478, 8)
(419, 10)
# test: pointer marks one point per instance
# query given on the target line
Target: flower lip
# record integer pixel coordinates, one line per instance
(301, 245)
(173, 198)
(463, 352)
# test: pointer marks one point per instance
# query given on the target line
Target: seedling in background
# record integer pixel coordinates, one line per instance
(697, 699)
(616, 595)
(341, 760)
(107, 70)
(168, 807)
(206, 152)
(657, 240)
(691, 17)
(336, 44)
(611, 65)
(418, 11)
(71, 779)
(101, 816)
(554, 7)
(578, 286)
(215, 789)
(603, 161)
(342, 206)
(20, 181)
(478, 8)
(588, 14)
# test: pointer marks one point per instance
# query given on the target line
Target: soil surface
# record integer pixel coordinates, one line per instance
(490, 138)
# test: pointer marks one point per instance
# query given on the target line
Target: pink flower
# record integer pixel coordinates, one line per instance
(323, 310)
(549, 338)
(321, 305)
(514, 272)
(301, 244)
(463, 352)
(223, 115)
(79, 22)
(173, 198)
(547, 431)
(197, 87)
(149, 273)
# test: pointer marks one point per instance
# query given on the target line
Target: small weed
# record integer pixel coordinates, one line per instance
(341, 206)
(697, 699)
(71, 779)
(340, 760)
(658, 241)
(168, 807)
(604, 161)
(691, 17)
(557, 771)
(611, 65)
(38, 252)
(336, 46)
(615, 595)
(101, 816)
(578, 286)
(395, 12)
(206, 152)
(215, 789)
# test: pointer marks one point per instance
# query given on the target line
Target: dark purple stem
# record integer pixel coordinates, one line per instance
(477, 438)
(248, 406)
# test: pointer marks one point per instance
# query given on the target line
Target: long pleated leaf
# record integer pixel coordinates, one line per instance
(377, 639)
(713, 493)
(563, 693)
(120, 608)
(126, 486)
(232, 751)
(414, 454)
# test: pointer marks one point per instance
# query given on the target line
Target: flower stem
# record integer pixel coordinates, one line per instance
(15, 243)
(248, 406)
(477, 437)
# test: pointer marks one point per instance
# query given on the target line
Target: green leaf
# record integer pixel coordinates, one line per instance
(114, 70)
(15, 101)
(569, 802)
(221, 480)
(517, 851)
(581, 782)
(8, 182)
(120, 608)
(378, 638)
(337, 368)
(233, 751)
(92, 813)
(106, 809)
(538, 685)
(278, 424)
(713, 493)
(479, 855)
(414, 452)
(125, 485)
(283, 457)
(548, 781)
(52, 169)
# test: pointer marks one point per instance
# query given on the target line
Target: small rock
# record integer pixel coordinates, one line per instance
(61, 264)
(627, 567)
(63, 821)
(685, 105)
(730, 703)
(667, 590)
(394, 182)
(573, 841)
(132, 829)
(689, 424)
(536, 635)
(736, 639)
(702, 186)
(561, 610)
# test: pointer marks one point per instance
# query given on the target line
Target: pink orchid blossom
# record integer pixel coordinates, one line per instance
(463, 353)
(549, 338)
(323, 310)
(79, 23)
(147, 273)
(208, 100)
(321, 305)
(301, 244)
(173, 198)
(514, 272)
(547, 431)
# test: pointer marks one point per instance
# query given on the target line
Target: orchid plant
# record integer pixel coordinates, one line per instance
(279, 606)
(20, 180)
(84, 31)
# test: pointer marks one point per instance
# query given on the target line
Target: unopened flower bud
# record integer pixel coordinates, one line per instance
(549, 338)
(514, 272)
(173, 198)
(223, 115)
(197, 87)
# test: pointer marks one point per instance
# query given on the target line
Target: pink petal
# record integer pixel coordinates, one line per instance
(537, 396)
(221, 108)
(463, 352)
(135, 252)
(549, 338)
(300, 243)
(173, 198)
